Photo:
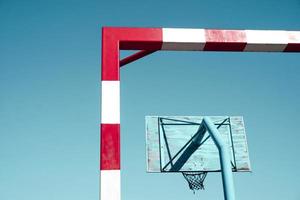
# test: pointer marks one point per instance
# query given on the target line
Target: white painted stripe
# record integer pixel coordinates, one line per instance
(110, 106)
(183, 39)
(110, 185)
(258, 40)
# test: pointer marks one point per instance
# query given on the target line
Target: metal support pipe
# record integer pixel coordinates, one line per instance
(135, 57)
(225, 161)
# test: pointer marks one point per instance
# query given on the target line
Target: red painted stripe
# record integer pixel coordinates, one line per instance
(110, 55)
(292, 47)
(140, 38)
(225, 40)
(110, 147)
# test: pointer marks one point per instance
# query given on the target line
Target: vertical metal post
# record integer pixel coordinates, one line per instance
(227, 178)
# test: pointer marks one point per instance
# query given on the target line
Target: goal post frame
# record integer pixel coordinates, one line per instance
(149, 40)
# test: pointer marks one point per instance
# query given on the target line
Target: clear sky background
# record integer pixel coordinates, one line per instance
(50, 97)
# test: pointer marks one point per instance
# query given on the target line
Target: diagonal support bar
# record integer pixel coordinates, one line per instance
(135, 57)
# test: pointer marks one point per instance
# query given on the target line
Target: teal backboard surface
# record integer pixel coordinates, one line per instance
(169, 138)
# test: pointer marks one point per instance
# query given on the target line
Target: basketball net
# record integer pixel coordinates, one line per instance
(195, 180)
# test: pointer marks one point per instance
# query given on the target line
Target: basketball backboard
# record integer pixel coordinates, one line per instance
(169, 144)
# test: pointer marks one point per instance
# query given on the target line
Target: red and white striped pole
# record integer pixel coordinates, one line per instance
(110, 177)
(153, 39)
(112, 40)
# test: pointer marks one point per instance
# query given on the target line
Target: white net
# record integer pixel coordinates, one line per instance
(195, 180)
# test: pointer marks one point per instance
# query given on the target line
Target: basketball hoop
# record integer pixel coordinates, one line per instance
(195, 180)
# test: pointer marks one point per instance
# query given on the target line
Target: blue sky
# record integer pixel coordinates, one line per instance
(50, 97)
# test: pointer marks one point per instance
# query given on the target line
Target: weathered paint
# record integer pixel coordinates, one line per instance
(110, 147)
(225, 40)
(206, 157)
(185, 39)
